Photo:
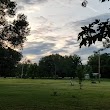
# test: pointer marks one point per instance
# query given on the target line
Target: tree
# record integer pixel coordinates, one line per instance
(33, 71)
(90, 34)
(50, 66)
(80, 74)
(60, 66)
(12, 34)
(8, 61)
(95, 31)
(70, 65)
(104, 64)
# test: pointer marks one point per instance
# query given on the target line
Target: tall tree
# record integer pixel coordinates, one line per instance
(70, 65)
(57, 65)
(12, 34)
(50, 65)
(8, 60)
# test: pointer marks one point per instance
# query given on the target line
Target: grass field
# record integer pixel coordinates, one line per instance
(27, 94)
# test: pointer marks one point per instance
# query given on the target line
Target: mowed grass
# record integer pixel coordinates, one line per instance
(27, 94)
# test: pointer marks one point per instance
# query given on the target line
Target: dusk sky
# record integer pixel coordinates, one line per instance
(55, 25)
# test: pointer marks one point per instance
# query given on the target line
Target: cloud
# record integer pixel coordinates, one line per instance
(38, 48)
(20, 7)
(78, 24)
(54, 28)
(27, 9)
(85, 52)
(51, 39)
(29, 6)
(31, 2)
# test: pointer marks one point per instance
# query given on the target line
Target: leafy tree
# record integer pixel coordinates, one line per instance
(49, 65)
(95, 31)
(46, 67)
(8, 61)
(70, 65)
(23, 68)
(57, 65)
(12, 34)
(33, 71)
(104, 64)
(90, 34)
(80, 74)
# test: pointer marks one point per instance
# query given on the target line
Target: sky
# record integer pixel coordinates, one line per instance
(55, 25)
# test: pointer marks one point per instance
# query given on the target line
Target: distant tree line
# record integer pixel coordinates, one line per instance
(52, 66)
(56, 66)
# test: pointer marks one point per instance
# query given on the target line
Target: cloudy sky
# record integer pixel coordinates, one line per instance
(55, 25)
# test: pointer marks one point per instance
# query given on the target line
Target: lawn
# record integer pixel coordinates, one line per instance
(28, 94)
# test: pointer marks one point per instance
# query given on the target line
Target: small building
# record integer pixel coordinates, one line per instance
(86, 76)
(95, 74)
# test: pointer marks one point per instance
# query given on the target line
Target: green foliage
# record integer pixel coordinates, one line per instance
(12, 35)
(27, 70)
(57, 65)
(52, 66)
(80, 74)
(95, 31)
(33, 71)
(8, 61)
(104, 64)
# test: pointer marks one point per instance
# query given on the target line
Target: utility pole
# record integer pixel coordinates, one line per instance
(99, 67)
(99, 61)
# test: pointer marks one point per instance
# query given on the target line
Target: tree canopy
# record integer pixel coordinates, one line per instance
(62, 66)
(95, 31)
(12, 35)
